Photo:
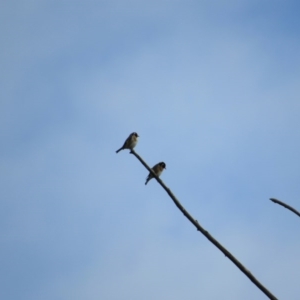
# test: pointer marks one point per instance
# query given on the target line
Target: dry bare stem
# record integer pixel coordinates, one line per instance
(286, 206)
(205, 232)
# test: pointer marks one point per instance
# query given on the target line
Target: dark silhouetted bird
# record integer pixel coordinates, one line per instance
(130, 142)
(157, 169)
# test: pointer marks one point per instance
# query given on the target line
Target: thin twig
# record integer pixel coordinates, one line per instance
(286, 206)
(206, 233)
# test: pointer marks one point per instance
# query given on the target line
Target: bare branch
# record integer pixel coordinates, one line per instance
(286, 206)
(206, 233)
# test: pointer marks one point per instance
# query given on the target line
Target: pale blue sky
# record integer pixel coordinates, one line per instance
(212, 88)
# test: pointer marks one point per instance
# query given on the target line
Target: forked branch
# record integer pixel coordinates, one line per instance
(206, 233)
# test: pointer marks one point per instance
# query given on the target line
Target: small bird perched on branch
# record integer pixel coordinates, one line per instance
(157, 169)
(130, 142)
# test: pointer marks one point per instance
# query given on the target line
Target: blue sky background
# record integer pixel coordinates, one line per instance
(211, 87)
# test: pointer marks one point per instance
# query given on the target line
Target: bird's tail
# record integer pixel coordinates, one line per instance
(119, 150)
(147, 180)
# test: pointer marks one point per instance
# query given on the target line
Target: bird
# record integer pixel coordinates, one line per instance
(130, 142)
(157, 169)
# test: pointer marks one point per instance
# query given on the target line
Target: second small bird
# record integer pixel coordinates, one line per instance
(157, 169)
(130, 142)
